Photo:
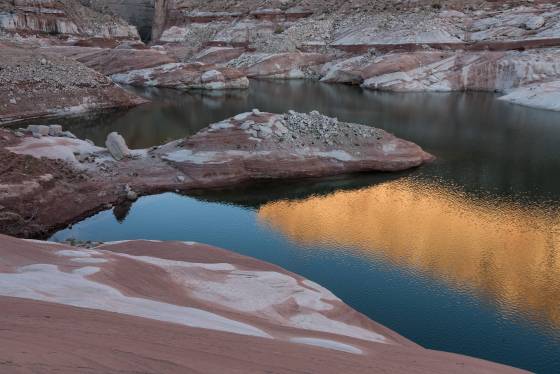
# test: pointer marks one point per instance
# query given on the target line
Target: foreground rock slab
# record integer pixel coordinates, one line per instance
(184, 306)
(248, 147)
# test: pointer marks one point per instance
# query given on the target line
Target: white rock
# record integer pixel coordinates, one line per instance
(40, 130)
(117, 146)
(55, 130)
(535, 22)
(212, 76)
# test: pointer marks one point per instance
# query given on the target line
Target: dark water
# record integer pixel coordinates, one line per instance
(462, 255)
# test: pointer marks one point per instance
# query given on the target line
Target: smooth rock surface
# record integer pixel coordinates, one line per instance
(184, 307)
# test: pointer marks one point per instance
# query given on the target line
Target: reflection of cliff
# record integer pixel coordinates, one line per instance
(507, 252)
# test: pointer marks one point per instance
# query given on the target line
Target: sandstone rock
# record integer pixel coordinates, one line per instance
(239, 314)
(185, 76)
(217, 55)
(110, 61)
(116, 145)
(477, 71)
(287, 65)
(62, 87)
(266, 145)
(68, 134)
(544, 95)
(132, 196)
(67, 18)
(55, 130)
(40, 130)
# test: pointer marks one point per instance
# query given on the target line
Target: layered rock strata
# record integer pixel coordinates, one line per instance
(249, 147)
(396, 46)
(61, 19)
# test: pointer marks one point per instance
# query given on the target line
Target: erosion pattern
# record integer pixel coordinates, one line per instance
(139, 13)
(45, 166)
(510, 47)
(55, 17)
(187, 307)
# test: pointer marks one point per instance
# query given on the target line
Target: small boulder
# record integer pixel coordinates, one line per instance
(55, 130)
(38, 130)
(534, 23)
(117, 146)
(132, 196)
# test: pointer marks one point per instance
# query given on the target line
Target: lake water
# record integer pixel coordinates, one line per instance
(461, 255)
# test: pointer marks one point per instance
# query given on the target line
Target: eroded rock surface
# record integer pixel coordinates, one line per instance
(382, 45)
(245, 148)
(185, 76)
(66, 18)
(185, 306)
(36, 85)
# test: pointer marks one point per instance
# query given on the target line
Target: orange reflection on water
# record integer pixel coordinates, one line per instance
(499, 249)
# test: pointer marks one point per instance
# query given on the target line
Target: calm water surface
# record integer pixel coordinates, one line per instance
(461, 255)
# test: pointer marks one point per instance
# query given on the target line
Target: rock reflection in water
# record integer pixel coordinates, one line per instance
(502, 250)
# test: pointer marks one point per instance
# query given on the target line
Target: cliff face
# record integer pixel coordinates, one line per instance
(383, 45)
(139, 13)
(61, 18)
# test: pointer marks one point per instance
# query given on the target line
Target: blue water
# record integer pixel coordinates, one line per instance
(414, 304)
(494, 160)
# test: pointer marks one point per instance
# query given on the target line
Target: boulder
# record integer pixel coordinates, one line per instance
(116, 145)
(55, 130)
(38, 130)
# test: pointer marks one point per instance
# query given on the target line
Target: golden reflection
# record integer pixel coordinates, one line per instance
(497, 248)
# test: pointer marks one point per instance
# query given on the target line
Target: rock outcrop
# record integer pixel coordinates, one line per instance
(248, 147)
(405, 46)
(34, 85)
(188, 307)
(457, 46)
(185, 76)
(61, 19)
(109, 61)
(139, 13)
(538, 95)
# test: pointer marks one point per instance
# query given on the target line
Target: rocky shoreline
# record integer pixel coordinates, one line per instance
(508, 47)
(41, 170)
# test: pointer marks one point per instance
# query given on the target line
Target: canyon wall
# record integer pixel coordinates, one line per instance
(495, 46)
(139, 13)
(60, 18)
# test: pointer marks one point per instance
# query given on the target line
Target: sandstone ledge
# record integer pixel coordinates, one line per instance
(172, 305)
(248, 147)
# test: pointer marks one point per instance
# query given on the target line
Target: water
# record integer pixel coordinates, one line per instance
(461, 255)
